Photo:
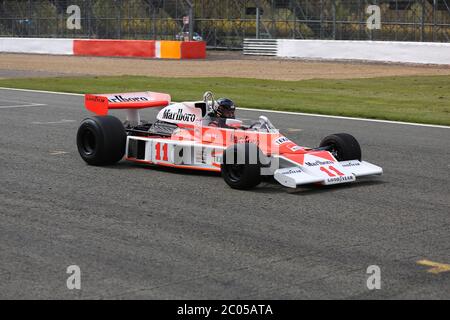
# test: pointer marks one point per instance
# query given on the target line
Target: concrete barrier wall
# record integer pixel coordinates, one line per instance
(114, 48)
(385, 51)
(193, 50)
(106, 48)
(34, 45)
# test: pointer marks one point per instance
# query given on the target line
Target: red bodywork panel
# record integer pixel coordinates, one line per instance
(268, 143)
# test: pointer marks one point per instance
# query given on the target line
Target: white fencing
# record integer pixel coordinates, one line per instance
(385, 51)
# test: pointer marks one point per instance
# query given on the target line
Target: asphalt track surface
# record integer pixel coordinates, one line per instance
(150, 233)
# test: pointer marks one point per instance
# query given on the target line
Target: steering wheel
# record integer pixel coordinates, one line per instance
(262, 123)
(208, 98)
(255, 126)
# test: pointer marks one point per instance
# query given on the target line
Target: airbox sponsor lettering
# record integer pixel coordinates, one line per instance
(118, 98)
(318, 163)
(179, 116)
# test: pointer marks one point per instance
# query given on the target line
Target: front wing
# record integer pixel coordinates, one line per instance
(335, 173)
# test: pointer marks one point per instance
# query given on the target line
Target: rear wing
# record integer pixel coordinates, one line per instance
(102, 103)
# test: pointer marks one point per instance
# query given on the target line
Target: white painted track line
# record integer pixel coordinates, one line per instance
(274, 111)
(42, 91)
(14, 101)
(23, 106)
(349, 118)
(64, 121)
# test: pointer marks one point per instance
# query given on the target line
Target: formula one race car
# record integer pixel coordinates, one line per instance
(187, 135)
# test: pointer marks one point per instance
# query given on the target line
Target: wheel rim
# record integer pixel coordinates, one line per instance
(334, 150)
(235, 172)
(89, 142)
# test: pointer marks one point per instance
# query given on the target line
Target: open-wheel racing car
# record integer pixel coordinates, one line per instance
(188, 135)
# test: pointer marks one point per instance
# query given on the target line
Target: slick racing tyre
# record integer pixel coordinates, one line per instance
(101, 140)
(241, 166)
(343, 146)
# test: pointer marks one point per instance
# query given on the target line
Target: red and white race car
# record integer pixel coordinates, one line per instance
(183, 137)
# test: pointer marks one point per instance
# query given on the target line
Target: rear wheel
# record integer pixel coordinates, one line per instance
(241, 166)
(101, 140)
(343, 146)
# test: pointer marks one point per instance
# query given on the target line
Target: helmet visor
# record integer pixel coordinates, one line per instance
(226, 112)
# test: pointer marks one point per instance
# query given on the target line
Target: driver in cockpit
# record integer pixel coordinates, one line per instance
(223, 109)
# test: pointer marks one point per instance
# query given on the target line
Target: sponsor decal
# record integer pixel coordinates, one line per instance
(210, 136)
(119, 98)
(281, 141)
(179, 116)
(208, 156)
(318, 163)
(292, 171)
(295, 148)
(341, 179)
(352, 164)
(245, 139)
(216, 156)
(95, 99)
(200, 156)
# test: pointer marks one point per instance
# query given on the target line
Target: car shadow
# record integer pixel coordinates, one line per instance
(268, 185)
(271, 186)
(127, 165)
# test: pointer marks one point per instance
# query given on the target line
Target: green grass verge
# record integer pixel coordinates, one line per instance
(424, 99)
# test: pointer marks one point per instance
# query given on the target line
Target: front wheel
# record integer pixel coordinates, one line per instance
(342, 146)
(101, 140)
(241, 166)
